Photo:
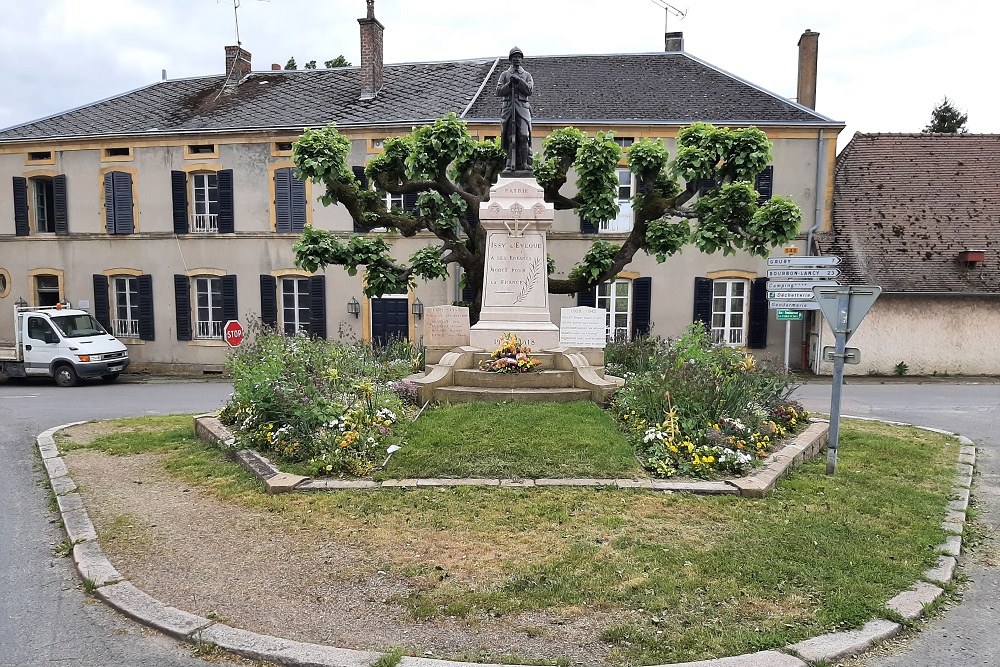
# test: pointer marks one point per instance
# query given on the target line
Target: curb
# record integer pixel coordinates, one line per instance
(757, 484)
(100, 576)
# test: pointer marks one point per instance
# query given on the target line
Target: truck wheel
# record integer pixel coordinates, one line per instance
(65, 376)
(110, 377)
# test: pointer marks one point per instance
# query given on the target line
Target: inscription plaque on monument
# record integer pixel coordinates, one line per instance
(514, 269)
(446, 326)
(583, 327)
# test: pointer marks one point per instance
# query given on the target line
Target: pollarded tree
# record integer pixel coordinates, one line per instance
(946, 118)
(451, 173)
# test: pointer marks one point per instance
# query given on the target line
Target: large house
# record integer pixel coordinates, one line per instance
(171, 209)
(916, 214)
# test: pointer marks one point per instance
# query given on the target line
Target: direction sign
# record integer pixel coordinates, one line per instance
(777, 296)
(779, 283)
(233, 333)
(803, 261)
(846, 318)
(803, 273)
(792, 305)
(788, 315)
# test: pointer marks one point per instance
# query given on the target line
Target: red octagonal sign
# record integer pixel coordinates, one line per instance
(233, 333)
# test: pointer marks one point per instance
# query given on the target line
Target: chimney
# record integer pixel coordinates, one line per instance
(808, 49)
(275, 67)
(371, 54)
(673, 41)
(237, 63)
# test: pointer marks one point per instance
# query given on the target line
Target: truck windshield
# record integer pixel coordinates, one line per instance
(78, 326)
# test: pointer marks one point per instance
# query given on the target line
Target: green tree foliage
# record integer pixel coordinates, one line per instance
(310, 65)
(291, 64)
(703, 197)
(339, 61)
(947, 119)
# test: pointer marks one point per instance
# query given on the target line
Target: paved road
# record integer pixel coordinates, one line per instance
(968, 634)
(45, 619)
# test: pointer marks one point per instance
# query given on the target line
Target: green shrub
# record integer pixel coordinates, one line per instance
(332, 404)
(692, 407)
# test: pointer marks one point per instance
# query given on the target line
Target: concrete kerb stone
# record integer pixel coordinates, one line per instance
(94, 566)
(282, 651)
(910, 603)
(69, 502)
(78, 526)
(146, 609)
(62, 485)
(952, 546)
(837, 645)
(943, 572)
(960, 499)
(759, 659)
(55, 467)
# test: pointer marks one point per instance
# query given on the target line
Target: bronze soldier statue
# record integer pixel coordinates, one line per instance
(514, 86)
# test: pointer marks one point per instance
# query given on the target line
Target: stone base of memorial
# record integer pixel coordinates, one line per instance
(516, 280)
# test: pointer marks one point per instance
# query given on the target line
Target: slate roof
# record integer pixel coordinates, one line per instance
(651, 88)
(905, 205)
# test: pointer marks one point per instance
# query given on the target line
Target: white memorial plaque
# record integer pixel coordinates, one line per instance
(515, 270)
(583, 327)
(446, 326)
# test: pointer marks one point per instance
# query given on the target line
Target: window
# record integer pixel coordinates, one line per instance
(392, 200)
(208, 308)
(118, 152)
(616, 298)
(43, 204)
(624, 142)
(294, 305)
(729, 311)
(201, 149)
(205, 195)
(46, 290)
(39, 156)
(40, 204)
(283, 147)
(119, 216)
(289, 202)
(622, 223)
(126, 320)
(4, 283)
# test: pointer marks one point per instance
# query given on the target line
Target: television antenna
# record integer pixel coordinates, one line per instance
(236, 20)
(669, 9)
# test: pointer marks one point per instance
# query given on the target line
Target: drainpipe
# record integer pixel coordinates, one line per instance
(820, 192)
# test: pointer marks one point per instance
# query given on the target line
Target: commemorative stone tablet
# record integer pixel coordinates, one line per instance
(583, 327)
(446, 326)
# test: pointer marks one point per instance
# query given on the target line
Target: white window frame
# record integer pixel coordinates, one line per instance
(610, 301)
(204, 221)
(300, 315)
(626, 188)
(207, 326)
(730, 311)
(125, 323)
(43, 204)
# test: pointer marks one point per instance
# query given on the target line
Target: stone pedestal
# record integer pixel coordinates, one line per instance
(516, 280)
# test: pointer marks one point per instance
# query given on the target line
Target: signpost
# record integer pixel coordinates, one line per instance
(233, 333)
(843, 307)
(790, 315)
(791, 280)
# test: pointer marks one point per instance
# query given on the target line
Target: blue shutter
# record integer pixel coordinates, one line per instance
(706, 186)
(102, 307)
(410, 202)
(182, 306)
(227, 214)
(21, 206)
(298, 205)
(757, 330)
(124, 218)
(179, 195)
(359, 174)
(587, 298)
(283, 200)
(147, 331)
(765, 184)
(642, 300)
(109, 202)
(230, 305)
(59, 210)
(703, 302)
(317, 306)
(587, 227)
(268, 300)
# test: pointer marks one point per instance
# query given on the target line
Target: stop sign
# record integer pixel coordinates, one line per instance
(233, 333)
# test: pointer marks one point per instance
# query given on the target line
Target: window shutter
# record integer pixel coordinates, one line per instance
(298, 204)
(587, 298)
(182, 306)
(268, 300)
(227, 214)
(705, 186)
(587, 227)
(468, 294)
(179, 194)
(283, 200)
(146, 328)
(765, 184)
(59, 210)
(230, 305)
(21, 206)
(124, 219)
(642, 300)
(359, 173)
(410, 202)
(317, 306)
(102, 304)
(757, 332)
(703, 302)
(109, 202)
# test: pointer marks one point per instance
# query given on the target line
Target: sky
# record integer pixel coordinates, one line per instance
(883, 64)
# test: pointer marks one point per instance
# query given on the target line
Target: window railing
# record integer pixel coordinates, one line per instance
(211, 329)
(125, 328)
(620, 225)
(727, 336)
(205, 223)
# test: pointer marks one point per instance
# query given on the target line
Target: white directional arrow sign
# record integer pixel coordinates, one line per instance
(803, 261)
(792, 305)
(803, 273)
(807, 285)
(798, 295)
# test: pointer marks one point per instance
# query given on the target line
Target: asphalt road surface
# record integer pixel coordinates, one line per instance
(45, 618)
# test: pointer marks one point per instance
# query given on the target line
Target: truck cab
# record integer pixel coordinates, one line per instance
(64, 344)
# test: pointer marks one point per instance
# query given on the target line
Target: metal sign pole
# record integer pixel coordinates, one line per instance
(788, 337)
(840, 331)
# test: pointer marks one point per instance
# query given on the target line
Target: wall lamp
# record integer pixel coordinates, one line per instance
(417, 309)
(353, 307)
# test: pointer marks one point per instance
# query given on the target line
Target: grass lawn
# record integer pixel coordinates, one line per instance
(664, 577)
(514, 440)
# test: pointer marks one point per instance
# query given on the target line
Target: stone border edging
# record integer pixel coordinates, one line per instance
(100, 576)
(756, 484)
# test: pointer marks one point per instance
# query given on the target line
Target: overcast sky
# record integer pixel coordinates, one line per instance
(883, 64)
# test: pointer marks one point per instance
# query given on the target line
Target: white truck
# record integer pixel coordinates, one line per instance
(61, 343)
